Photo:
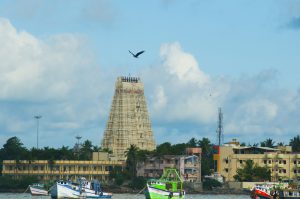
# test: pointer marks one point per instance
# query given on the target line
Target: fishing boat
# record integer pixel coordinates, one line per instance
(261, 191)
(274, 191)
(170, 185)
(38, 189)
(82, 189)
(289, 194)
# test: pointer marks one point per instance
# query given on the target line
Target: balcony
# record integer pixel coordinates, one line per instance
(269, 155)
(269, 165)
(280, 165)
(280, 156)
(281, 174)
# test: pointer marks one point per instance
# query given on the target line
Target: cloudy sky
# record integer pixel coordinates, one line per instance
(60, 60)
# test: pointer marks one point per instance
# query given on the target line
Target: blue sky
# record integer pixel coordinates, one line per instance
(60, 59)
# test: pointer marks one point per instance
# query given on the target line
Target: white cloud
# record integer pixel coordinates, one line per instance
(59, 78)
(181, 64)
(56, 77)
(160, 99)
(252, 105)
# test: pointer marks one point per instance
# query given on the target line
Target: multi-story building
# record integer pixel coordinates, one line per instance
(189, 166)
(61, 169)
(282, 163)
(128, 122)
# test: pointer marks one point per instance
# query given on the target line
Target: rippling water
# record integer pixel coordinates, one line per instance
(126, 196)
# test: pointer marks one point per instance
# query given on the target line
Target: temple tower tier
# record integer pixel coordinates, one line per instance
(128, 122)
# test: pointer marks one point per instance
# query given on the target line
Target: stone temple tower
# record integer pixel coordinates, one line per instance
(128, 122)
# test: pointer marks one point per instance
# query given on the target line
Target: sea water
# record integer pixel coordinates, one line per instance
(125, 196)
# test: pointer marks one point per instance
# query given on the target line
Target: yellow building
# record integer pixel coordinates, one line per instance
(282, 163)
(61, 169)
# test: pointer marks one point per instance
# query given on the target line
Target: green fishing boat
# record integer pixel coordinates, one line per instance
(170, 185)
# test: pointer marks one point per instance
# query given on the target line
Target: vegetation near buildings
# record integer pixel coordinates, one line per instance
(268, 143)
(13, 149)
(295, 143)
(252, 173)
(209, 184)
(7, 182)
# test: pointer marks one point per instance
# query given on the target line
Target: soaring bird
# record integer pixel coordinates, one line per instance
(137, 54)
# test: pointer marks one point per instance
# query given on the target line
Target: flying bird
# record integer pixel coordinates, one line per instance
(137, 54)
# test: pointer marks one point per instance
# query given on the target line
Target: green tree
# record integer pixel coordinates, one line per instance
(207, 162)
(13, 149)
(205, 145)
(131, 161)
(86, 150)
(192, 142)
(164, 148)
(268, 143)
(295, 143)
(252, 172)
(117, 175)
(209, 184)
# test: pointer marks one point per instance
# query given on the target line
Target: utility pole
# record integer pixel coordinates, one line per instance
(37, 117)
(78, 148)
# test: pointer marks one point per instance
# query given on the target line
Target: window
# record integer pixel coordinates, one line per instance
(241, 161)
(284, 161)
(265, 161)
(226, 170)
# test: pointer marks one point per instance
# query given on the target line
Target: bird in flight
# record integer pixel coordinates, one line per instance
(137, 54)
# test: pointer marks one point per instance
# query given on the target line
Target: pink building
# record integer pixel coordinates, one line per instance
(189, 166)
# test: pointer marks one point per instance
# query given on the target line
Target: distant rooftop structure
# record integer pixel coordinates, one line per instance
(235, 144)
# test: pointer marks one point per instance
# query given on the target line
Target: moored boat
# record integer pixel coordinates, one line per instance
(274, 191)
(83, 189)
(37, 189)
(289, 194)
(170, 185)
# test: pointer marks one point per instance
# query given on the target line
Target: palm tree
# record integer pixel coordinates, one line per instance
(192, 142)
(205, 145)
(131, 161)
(295, 143)
(268, 143)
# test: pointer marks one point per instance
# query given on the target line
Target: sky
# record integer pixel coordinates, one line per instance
(60, 60)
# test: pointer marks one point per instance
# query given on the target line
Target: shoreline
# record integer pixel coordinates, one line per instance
(114, 191)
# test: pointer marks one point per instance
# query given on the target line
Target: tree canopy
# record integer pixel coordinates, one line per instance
(295, 143)
(252, 172)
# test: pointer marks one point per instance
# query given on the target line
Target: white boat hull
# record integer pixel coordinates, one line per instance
(67, 191)
(38, 191)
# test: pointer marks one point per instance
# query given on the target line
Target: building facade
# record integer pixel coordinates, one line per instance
(283, 164)
(128, 122)
(61, 169)
(188, 166)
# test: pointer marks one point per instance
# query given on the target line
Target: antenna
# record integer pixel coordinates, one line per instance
(220, 135)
